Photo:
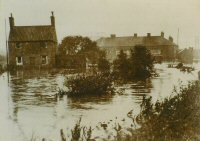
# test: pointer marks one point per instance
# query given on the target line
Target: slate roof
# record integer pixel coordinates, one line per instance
(33, 33)
(130, 41)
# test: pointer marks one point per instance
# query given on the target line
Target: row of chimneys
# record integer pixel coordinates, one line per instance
(148, 35)
(12, 21)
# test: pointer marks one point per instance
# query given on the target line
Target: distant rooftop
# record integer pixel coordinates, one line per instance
(127, 41)
(33, 33)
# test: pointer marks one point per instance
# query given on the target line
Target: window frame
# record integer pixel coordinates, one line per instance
(18, 45)
(46, 59)
(17, 61)
(43, 44)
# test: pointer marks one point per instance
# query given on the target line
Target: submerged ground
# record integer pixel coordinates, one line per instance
(28, 104)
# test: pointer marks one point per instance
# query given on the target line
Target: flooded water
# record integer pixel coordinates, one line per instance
(29, 107)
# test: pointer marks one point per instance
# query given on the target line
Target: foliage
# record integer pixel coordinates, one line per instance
(103, 63)
(76, 44)
(121, 66)
(79, 133)
(76, 132)
(138, 66)
(176, 118)
(82, 85)
(141, 62)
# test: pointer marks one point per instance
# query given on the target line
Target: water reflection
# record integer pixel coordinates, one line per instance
(82, 103)
(35, 108)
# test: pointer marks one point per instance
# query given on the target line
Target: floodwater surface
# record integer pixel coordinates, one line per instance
(30, 108)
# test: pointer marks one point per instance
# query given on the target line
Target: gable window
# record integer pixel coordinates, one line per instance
(19, 61)
(44, 60)
(18, 45)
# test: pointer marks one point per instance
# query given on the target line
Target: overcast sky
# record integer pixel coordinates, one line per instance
(98, 18)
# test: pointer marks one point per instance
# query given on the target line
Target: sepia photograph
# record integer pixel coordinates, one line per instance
(99, 70)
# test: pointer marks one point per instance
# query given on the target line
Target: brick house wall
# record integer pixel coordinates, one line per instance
(31, 53)
(32, 46)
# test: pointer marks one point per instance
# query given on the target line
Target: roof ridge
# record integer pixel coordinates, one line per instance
(35, 26)
(130, 37)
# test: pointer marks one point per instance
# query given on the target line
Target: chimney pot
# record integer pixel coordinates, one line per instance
(52, 19)
(112, 35)
(135, 34)
(162, 34)
(170, 39)
(11, 21)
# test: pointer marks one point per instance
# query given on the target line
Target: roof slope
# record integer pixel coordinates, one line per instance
(130, 41)
(33, 33)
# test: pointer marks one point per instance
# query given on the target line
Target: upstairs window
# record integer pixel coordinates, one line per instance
(19, 61)
(44, 60)
(43, 45)
(18, 45)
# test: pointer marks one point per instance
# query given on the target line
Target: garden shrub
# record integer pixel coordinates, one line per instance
(82, 85)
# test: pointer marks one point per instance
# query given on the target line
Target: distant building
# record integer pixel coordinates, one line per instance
(161, 48)
(185, 55)
(196, 54)
(32, 46)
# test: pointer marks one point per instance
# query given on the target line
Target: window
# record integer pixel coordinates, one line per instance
(44, 60)
(19, 60)
(43, 44)
(155, 52)
(18, 45)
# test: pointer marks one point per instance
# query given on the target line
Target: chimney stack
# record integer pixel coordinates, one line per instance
(135, 35)
(162, 34)
(112, 35)
(148, 34)
(52, 19)
(170, 39)
(12, 22)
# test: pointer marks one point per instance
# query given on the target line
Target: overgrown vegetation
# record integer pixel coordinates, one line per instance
(94, 85)
(176, 118)
(78, 133)
(103, 63)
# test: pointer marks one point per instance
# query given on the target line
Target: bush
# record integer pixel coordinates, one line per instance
(103, 65)
(138, 66)
(174, 119)
(98, 84)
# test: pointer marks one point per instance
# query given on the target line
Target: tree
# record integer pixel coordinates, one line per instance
(141, 62)
(103, 63)
(121, 66)
(76, 45)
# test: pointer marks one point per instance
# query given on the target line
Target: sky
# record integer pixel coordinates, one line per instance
(97, 18)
